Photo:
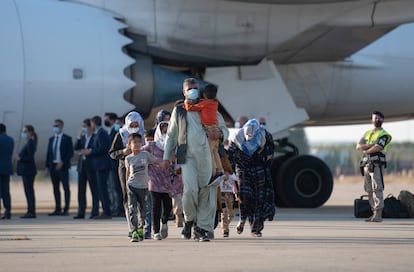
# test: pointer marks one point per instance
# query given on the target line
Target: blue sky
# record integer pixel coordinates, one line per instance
(400, 131)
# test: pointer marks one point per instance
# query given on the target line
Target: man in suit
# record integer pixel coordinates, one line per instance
(59, 154)
(114, 186)
(6, 169)
(86, 172)
(102, 163)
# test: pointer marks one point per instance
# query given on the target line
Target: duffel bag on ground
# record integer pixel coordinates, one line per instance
(407, 200)
(393, 208)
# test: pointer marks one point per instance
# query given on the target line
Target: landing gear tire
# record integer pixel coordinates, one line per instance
(304, 182)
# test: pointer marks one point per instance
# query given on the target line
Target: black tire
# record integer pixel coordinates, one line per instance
(304, 182)
(274, 170)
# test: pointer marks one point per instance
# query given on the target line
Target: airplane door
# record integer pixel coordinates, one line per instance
(11, 70)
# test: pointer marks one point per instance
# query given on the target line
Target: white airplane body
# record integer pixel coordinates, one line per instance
(297, 63)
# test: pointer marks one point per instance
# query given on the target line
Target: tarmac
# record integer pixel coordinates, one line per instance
(328, 238)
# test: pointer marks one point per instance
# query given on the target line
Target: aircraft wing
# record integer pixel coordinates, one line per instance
(292, 2)
(324, 43)
(344, 34)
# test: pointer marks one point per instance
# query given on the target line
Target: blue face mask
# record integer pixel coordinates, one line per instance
(84, 130)
(117, 127)
(24, 135)
(56, 130)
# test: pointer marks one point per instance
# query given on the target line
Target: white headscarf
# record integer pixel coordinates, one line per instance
(250, 137)
(132, 117)
(160, 137)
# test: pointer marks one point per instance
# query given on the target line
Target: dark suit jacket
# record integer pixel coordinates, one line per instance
(6, 152)
(112, 134)
(26, 165)
(66, 152)
(79, 145)
(99, 150)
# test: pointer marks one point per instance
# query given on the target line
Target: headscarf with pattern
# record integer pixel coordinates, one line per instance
(250, 137)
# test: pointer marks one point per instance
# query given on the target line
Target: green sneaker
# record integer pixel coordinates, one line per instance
(140, 232)
(135, 236)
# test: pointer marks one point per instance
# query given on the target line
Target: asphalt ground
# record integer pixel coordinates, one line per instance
(328, 238)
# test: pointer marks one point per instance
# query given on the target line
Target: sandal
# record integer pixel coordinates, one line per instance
(240, 227)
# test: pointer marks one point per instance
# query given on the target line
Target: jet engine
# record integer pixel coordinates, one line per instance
(70, 61)
(59, 60)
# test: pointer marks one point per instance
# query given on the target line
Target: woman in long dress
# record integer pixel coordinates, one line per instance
(249, 152)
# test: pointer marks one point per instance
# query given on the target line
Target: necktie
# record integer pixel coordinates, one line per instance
(55, 147)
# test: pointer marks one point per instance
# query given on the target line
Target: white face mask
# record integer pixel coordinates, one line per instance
(133, 130)
(237, 125)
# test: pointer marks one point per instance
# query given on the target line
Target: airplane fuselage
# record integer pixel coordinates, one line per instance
(72, 59)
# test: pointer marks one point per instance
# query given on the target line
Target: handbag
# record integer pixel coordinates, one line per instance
(362, 209)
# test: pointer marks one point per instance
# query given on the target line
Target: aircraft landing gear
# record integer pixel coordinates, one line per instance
(300, 181)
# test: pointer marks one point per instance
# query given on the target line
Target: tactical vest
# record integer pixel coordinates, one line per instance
(375, 158)
(371, 138)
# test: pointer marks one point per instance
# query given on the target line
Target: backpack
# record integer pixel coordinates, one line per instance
(393, 208)
(407, 200)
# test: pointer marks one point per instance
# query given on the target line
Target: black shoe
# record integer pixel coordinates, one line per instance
(118, 214)
(6, 217)
(55, 213)
(186, 232)
(79, 217)
(225, 234)
(65, 213)
(28, 215)
(201, 235)
(257, 234)
(103, 216)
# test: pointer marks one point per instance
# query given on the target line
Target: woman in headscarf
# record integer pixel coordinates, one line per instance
(119, 150)
(162, 115)
(248, 153)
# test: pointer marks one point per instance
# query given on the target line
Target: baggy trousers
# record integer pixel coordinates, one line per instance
(374, 186)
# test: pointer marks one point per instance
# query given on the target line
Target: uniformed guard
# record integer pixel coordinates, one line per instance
(374, 145)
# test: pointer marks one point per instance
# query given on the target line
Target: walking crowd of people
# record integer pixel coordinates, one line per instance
(186, 168)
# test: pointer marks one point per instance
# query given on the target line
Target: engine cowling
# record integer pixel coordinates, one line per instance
(155, 85)
(59, 60)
